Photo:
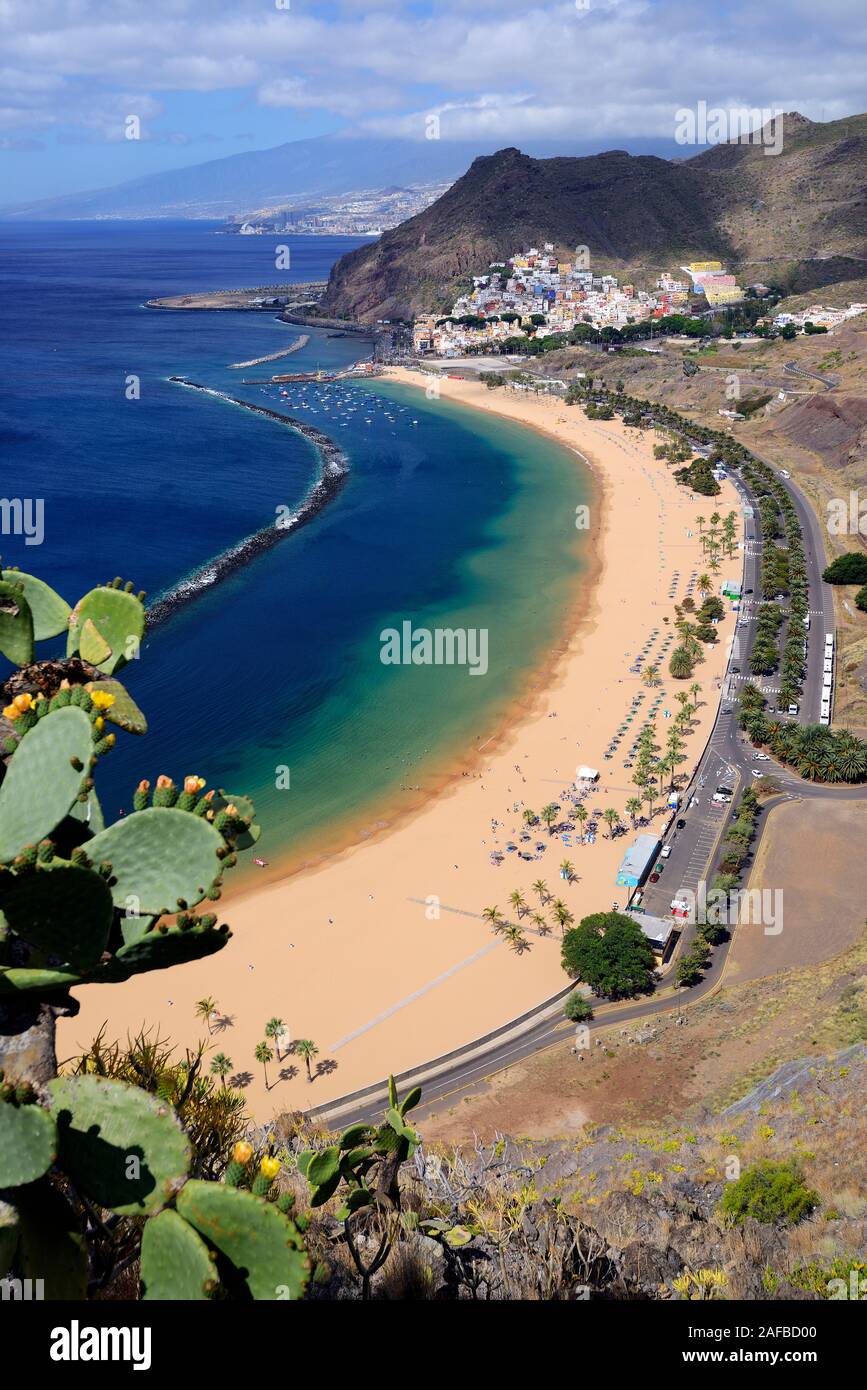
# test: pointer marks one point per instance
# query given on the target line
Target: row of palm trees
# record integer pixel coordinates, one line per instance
(276, 1032)
(512, 931)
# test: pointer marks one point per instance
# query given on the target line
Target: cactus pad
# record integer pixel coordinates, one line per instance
(50, 611)
(41, 782)
(125, 713)
(63, 913)
(159, 856)
(118, 620)
(51, 1246)
(176, 1264)
(157, 950)
(16, 980)
(27, 1143)
(16, 625)
(121, 1146)
(261, 1243)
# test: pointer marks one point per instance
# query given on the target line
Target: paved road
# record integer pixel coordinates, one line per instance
(795, 369)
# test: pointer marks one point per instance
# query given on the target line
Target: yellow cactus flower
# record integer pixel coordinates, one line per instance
(10, 712)
(23, 703)
(102, 699)
(99, 724)
(193, 785)
(242, 1152)
(269, 1167)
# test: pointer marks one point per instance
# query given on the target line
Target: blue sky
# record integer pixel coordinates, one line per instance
(208, 78)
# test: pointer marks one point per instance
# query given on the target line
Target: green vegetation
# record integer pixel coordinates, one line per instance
(610, 953)
(850, 568)
(772, 1193)
(121, 1135)
(699, 477)
(816, 752)
(578, 1009)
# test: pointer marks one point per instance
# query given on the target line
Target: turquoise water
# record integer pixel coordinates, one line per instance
(449, 519)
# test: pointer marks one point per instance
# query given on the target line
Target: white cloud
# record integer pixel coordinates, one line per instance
(501, 68)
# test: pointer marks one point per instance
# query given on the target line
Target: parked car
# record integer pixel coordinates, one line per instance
(654, 878)
(681, 824)
(756, 772)
(763, 757)
(665, 851)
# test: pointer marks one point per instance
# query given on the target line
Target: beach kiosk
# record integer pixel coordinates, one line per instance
(638, 861)
(586, 774)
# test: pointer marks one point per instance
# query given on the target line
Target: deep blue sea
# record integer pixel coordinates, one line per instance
(449, 518)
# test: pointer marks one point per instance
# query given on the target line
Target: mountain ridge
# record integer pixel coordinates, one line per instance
(733, 202)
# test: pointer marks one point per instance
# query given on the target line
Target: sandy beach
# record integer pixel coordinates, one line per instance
(380, 954)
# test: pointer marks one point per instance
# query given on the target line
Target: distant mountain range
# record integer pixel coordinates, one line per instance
(289, 175)
(799, 215)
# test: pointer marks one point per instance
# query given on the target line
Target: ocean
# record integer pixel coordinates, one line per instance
(272, 682)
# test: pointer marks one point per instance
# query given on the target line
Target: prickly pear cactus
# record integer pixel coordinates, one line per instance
(44, 777)
(176, 1264)
(16, 624)
(106, 627)
(50, 611)
(58, 913)
(124, 712)
(121, 1146)
(161, 858)
(81, 902)
(263, 1245)
(28, 1142)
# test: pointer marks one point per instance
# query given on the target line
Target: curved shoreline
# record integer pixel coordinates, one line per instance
(334, 472)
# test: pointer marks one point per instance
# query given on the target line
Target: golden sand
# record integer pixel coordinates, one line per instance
(380, 954)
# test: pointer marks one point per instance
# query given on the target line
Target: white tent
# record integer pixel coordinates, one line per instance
(587, 774)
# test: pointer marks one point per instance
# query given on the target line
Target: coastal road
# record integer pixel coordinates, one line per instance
(728, 759)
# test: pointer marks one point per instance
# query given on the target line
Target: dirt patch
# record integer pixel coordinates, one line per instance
(832, 426)
(812, 915)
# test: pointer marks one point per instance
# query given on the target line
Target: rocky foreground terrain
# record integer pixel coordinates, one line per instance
(622, 1213)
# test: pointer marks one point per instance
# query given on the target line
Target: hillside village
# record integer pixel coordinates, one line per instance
(544, 295)
(536, 295)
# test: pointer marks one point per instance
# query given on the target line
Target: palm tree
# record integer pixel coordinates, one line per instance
(562, 914)
(611, 817)
(633, 806)
(206, 1008)
(695, 691)
(651, 675)
(549, 815)
(540, 888)
(705, 584)
(567, 870)
(581, 815)
(518, 902)
(221, 1065)
(515, 938)
(530, 817)
(264, 1055)
(540, 923)
(274, 1029)
(491, 914)
(700, 523)
(308, 1050)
